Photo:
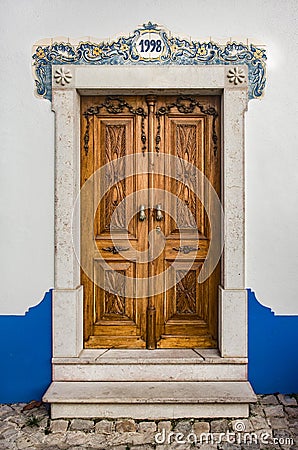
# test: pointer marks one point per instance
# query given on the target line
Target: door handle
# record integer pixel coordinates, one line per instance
(142, 215)
(159, 214)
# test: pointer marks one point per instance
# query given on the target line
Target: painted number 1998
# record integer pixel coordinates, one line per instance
(150, 45)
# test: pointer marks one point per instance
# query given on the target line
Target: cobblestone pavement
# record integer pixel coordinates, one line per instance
(273, 424)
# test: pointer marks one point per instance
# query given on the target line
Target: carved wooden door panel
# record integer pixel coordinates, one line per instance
(112, 129)
(188, 129)
(184, 315)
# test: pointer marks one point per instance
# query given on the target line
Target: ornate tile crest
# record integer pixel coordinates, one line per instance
(150, 44)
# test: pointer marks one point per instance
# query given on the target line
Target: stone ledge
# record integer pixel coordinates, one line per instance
(154, 400)
(193, 392)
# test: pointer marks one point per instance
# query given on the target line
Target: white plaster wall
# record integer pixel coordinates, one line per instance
(27, 144)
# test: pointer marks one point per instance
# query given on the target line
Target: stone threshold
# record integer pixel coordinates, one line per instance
(159, 356)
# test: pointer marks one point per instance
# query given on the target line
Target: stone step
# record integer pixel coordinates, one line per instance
(150, 365)
(149, 400)
(149, 372)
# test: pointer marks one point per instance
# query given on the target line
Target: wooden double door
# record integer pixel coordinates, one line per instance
(132, 300)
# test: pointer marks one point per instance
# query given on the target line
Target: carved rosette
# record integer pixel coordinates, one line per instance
(236, 75)
(62, 76)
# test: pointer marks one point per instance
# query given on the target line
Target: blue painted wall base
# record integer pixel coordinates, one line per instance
(272, 349)
(26, 351)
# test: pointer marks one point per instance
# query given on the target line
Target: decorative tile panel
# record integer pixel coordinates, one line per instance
(150, 45)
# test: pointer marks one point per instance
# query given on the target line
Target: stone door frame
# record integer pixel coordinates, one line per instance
(94, 80)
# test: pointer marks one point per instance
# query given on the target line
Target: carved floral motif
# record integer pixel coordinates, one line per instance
(114, 301)
(115, 149)
(236, 75)
(62, 76)
(186, 294)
